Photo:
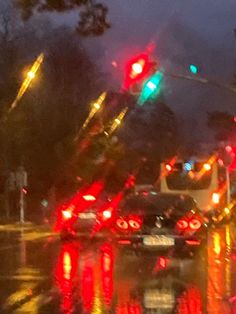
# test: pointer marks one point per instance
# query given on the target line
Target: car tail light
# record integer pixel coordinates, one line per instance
(127, 242)
(122, 224)
(134, 224)
(66, 214)
(215, 198)
(106, 214)
(193, 242)
(89, 197)
(195, 224)
(182, 224)
(168, 167)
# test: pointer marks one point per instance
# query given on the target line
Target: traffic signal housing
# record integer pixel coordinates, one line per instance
(137, 69)
(151, 88)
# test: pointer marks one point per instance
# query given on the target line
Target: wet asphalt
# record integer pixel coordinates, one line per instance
(40, 274)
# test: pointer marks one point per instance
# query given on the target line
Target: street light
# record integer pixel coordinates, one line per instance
(117, 121)
(31, 75)
(95, 107)
(27, 81)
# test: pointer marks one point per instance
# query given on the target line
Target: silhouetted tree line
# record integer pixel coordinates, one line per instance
(40, 133)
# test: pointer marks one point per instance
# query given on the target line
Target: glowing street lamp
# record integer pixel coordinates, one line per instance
(27, 81)
(96, 106)
(31, 75)
(117, 121)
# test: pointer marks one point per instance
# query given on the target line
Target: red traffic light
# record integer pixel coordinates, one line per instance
(136, 69)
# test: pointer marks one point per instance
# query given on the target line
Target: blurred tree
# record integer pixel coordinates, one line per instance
(150, 133)
(147, 135)
(93, 15)
(39, 133)
(70, 81)
(223, 124)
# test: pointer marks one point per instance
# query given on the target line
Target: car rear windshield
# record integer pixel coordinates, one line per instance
(158, 204)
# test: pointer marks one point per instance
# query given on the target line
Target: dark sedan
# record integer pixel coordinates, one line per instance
(159, 222)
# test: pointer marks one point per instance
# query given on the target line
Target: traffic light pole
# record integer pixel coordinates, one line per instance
(22, 206)
(200, 80)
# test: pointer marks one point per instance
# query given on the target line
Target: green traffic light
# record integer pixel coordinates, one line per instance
(193, 68)
(151, 88)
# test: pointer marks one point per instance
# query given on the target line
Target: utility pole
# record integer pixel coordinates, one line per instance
(21, 183)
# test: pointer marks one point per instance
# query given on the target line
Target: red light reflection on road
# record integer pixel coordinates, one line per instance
(219, 273)
(65, 273)
(87, 287)
(125, 303)
(161, 264)
(129, 308)
(95, 271)
(190, 302)
(107, 263)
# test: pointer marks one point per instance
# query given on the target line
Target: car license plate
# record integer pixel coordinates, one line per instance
(158, 240)
(86, 215)
(159, 299)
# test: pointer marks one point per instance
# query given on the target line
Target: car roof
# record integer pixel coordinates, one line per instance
(153, 200)
(153, 194)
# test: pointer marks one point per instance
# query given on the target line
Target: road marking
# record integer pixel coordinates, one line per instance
(15, 227)
(34, 235)
(20, 295)
(23, 277)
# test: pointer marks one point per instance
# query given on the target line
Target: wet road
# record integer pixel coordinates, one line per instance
(38, 274)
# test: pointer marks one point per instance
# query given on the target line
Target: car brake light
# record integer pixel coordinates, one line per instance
(122, 224)
(182, 224)
(135, 224)
(89, 197)
(66, 214)
(127, 242)
(195, 224)
(106, 214)
(168, 167)
(215, 198)
(193, 242)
